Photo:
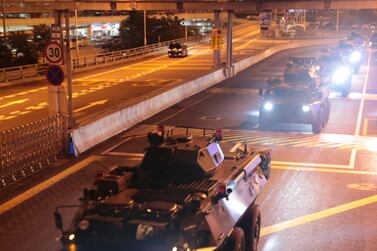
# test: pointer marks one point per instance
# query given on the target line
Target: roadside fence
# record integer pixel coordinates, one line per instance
(29, 148)
(37, 70)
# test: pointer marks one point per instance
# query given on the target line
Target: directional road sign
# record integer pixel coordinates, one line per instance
(216, 39)
(55, 75)
(53, 52)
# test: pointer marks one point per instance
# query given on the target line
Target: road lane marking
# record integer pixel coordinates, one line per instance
(203, 50)
(287, 163)
(235, 147)
(16, 102)
(361, 107)
(99, 102)
(365, 127)
(318, 215)
(46, 184)
(324, 170)
(117, 145)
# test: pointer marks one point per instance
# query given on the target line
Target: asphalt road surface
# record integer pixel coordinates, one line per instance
(322, 191)
(98, 90)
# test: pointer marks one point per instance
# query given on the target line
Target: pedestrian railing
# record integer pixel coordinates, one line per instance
(29, 148)
(35, 70)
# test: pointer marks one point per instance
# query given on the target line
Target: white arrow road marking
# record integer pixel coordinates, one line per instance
(99, 102)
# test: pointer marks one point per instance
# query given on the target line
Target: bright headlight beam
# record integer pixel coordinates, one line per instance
(71, 237)
(268, 106)
(355, 57)
(341, 75)
(305, 108)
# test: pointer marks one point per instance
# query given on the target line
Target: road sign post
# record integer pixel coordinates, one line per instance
(56, 93)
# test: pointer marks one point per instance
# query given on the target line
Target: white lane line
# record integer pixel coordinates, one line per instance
(361, 108)
(117, 145)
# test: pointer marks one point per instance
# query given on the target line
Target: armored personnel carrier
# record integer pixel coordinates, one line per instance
(298, 97)
(186, 194)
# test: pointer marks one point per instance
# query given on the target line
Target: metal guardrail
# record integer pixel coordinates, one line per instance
(115, 56)
(35, 70)
(29, 148)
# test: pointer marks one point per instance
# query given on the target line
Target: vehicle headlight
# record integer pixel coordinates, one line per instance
(71, 237)
(84, 225)
(341, 75)
(268, 106)
(305, 108)
(355, 57)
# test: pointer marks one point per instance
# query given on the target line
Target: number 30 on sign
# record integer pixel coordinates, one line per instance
(53, 52)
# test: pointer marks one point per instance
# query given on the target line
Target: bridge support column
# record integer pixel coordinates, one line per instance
(229, 46)
(217, 53)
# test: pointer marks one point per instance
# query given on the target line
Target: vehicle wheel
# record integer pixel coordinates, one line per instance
(356, 69)
(251, 224)
(347, 89)
(345, 92)
(263, 123)
(318, 122)
(236, 240)
(328, 109)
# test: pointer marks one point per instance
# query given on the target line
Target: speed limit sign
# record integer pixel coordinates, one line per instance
(53, 52)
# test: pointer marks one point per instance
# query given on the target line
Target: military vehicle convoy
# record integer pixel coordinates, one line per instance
(186, 194)
(298, 97)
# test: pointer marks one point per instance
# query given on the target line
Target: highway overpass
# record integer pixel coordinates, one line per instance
(244, 6)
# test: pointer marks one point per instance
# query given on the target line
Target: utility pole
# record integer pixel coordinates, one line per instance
(229, 45)
(4, 27)
(77, 37)
(186, 24)
(145, 28)
(337, 20)
(68, 63)
(217, 53)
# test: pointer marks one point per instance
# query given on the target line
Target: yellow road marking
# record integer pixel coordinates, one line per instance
(365, 127)
(16, 102)
(318, 215)
(46, 184)
(324, 170)
(309, 164)
(361, 108)
(99, 102)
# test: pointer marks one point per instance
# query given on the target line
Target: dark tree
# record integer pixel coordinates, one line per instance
(41, 36)
(5, 55)
(131, 31)
(23, 48)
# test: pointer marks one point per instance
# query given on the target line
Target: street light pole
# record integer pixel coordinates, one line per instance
(145, 28)
(4, 28)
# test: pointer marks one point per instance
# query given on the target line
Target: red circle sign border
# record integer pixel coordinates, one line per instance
(61, 49)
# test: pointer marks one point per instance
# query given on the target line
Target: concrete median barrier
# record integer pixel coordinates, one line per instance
(94, 131)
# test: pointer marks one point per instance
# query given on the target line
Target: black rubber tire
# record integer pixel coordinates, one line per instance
(263, 123)
(347, 89)
(345, 93)
(251, 224)
(318, 122)
(328, 105)
(236, 241)
(356, 69)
